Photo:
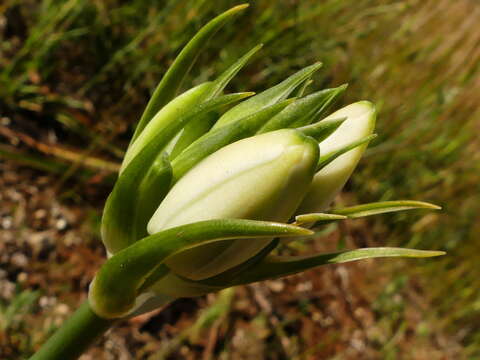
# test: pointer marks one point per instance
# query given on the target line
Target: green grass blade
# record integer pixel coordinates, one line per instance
(172, 80)
(383, 207)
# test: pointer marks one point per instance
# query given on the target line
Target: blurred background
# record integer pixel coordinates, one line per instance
(75, 76)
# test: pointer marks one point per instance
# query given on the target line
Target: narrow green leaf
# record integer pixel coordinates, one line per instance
(383, 207)
(322, 129)
(304, 108)
(318, 217)
(267, 97)
(278, 266)
(172, 80)
(216, 139)
(117, 283)
(119, 211)
(328, 158)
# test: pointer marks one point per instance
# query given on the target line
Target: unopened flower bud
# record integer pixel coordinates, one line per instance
(264, 177)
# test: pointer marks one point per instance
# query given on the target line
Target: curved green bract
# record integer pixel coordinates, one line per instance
(267, 97)
(272, 267)
(119, 211)
(171, 81)
(116, 285)
(326, 159)
(304, 110)
(322, 129)
(383, 207)
(227, 134)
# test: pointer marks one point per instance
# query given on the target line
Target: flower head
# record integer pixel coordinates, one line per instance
(205, 195)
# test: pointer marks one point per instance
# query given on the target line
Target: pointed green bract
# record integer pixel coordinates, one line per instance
(268, 97)
(116, 286)
(272, 267)
(217, 139)
(328, 158)
(118, 214)
(322, 129)
(303, 108)
(383, 207)
(332, 95)
(221, 82)
(171, 81)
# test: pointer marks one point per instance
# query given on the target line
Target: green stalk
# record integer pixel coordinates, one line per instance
(75, 336)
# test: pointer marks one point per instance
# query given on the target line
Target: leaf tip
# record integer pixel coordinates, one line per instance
(240, 7)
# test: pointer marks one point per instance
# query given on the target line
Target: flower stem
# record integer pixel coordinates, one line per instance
(75, 336)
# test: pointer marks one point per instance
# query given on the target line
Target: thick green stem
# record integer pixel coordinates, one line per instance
(75, 336)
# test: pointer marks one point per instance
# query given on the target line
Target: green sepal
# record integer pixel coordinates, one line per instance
(268, 97)
(216, 139)
(118, 282)
(119, 211)
(322, 129)
(172, 80)
(326, 159)
(272, 266)
(301, 111)
(383, 207)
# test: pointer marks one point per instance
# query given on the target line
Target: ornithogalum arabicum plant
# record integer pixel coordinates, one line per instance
(206, 194)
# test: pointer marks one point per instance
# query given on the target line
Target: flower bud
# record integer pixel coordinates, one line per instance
(264, 177)
(328, 182)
